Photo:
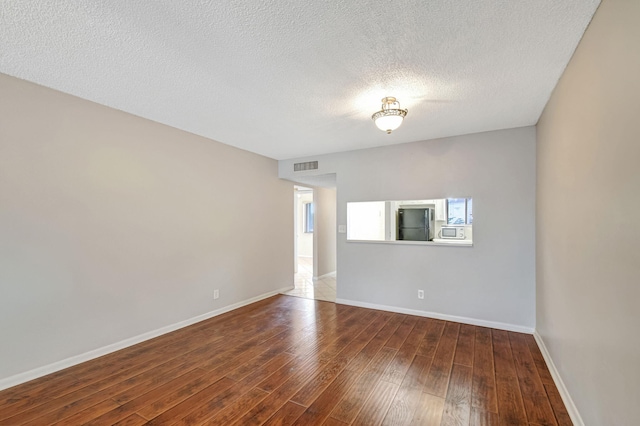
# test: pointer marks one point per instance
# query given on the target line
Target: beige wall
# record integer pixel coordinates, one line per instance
(112, 226)
(588, 228)
(325, 236)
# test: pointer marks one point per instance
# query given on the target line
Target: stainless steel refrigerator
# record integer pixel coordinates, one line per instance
(415, 224)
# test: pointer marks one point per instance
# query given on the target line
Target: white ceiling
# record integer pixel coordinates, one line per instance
(300, 77)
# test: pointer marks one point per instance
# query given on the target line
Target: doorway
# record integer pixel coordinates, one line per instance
(311, 214)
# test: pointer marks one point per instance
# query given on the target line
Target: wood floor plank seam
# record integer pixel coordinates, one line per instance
(510, 401)
(484, 396)
(352, 402)
(536, 403)
(442, 364)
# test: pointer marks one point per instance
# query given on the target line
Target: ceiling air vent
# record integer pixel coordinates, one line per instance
(309, 165)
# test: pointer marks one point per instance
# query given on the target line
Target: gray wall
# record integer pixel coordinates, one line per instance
(493, 281)
(112, 226)
(588, 196)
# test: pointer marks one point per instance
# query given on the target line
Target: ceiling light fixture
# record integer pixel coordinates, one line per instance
(390, 116)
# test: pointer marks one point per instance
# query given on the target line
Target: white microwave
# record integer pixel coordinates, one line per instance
(452, 232)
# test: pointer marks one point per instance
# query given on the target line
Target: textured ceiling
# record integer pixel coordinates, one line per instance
(300, 77)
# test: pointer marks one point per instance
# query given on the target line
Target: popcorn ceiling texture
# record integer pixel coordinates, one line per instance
(294, 78)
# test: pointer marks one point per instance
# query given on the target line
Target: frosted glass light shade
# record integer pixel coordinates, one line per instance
(388, 123)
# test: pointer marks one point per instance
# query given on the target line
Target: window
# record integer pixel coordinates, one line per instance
(308, 218)
(459, 211)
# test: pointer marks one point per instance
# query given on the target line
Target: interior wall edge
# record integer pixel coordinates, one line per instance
(38, 372)
(331, 274)
(446, 317)
(557, 379)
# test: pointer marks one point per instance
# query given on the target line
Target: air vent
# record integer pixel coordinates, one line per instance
(309, 165)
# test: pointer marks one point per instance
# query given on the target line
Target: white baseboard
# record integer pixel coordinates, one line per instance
(329, 275)
(453, 318)
(564, 393)
(77, 359)
(286, 289)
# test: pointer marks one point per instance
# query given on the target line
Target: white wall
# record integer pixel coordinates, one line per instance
(588, 257)
(112, 226)
(492, 281)
(325, 231)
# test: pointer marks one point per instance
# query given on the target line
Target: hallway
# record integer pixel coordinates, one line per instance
(322, 289)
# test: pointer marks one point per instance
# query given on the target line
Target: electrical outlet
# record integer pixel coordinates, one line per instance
(420, 294)
(216, 294)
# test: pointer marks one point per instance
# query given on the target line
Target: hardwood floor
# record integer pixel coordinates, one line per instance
(287, 360)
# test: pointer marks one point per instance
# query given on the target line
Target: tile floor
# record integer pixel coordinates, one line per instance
(322, 289)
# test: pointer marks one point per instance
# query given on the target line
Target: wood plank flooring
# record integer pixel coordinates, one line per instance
(292, 361)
